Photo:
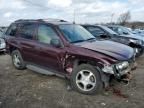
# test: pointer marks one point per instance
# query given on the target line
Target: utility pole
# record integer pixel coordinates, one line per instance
(112, 15)
(74, 16)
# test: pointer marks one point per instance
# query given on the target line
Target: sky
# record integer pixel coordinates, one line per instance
(82, 11)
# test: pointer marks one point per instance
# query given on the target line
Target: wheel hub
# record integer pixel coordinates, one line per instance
(85, 80)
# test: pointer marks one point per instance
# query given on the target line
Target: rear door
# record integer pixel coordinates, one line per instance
(26, 39)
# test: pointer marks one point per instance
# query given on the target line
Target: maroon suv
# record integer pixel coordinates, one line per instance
(67, 50)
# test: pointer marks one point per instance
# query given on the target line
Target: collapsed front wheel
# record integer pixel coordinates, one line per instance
(86, 79)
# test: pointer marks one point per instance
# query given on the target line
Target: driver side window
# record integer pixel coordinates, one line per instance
(46, 34)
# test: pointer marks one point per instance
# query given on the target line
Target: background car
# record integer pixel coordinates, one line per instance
(138, 32)
(127, 33)
(2, 42)
(103, 32)
(3, 29)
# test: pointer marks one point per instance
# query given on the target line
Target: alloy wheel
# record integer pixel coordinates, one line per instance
(85, 80)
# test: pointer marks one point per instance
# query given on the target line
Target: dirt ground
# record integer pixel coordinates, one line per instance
(27, 89)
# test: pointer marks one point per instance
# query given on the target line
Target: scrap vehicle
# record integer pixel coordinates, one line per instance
(68, 50)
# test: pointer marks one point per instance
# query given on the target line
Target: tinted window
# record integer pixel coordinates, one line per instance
(27, 31)
(12, 30)
(75, 33)
(46, 34)
(95, 31)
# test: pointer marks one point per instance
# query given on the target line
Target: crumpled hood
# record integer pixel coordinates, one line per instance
(116, 50)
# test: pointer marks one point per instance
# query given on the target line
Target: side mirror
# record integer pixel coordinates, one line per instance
(104, 36)
(55, 43)
(126, 33)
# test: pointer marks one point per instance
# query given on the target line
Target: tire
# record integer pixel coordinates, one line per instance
(77, 81)
(20, 65)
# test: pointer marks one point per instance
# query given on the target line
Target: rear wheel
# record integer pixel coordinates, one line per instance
(86, 79)
(17, 60)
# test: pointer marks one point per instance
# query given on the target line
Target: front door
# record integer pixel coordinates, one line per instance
(49, 55)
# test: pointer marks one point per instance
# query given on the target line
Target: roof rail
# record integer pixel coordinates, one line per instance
(51, 20)
(24, 20)
(43, 20)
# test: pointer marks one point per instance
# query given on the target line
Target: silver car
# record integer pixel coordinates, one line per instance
(2, 42)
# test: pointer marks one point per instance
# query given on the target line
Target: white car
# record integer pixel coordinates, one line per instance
(2, 43)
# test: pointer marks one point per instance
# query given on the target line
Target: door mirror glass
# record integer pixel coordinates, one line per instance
(55, 43)
(104, 36)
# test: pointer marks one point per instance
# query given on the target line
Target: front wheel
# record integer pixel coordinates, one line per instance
(86, 79)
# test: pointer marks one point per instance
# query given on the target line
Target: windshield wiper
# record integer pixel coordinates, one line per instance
(78, 41)
(91, 38)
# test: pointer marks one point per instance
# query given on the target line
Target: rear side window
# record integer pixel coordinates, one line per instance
(12, 30)
(27, 31)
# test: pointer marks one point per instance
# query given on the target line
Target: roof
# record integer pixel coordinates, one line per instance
(93, 25)
(50, 21)
(113, 25)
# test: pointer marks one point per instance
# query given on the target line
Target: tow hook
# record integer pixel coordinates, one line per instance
(126, 79)
(134, 66)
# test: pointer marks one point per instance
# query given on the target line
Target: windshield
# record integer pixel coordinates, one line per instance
(108, 30)
(75, 33)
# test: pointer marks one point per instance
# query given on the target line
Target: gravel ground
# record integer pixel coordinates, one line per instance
(27, 89)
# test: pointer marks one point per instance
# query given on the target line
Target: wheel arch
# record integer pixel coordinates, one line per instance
(13, 48)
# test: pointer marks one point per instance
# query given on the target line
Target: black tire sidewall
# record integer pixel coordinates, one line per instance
(22, 65)
(98, 87)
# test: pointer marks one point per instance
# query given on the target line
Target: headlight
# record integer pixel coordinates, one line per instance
(122, 66)
(136, 41)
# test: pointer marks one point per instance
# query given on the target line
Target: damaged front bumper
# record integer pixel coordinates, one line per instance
(120, 69)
